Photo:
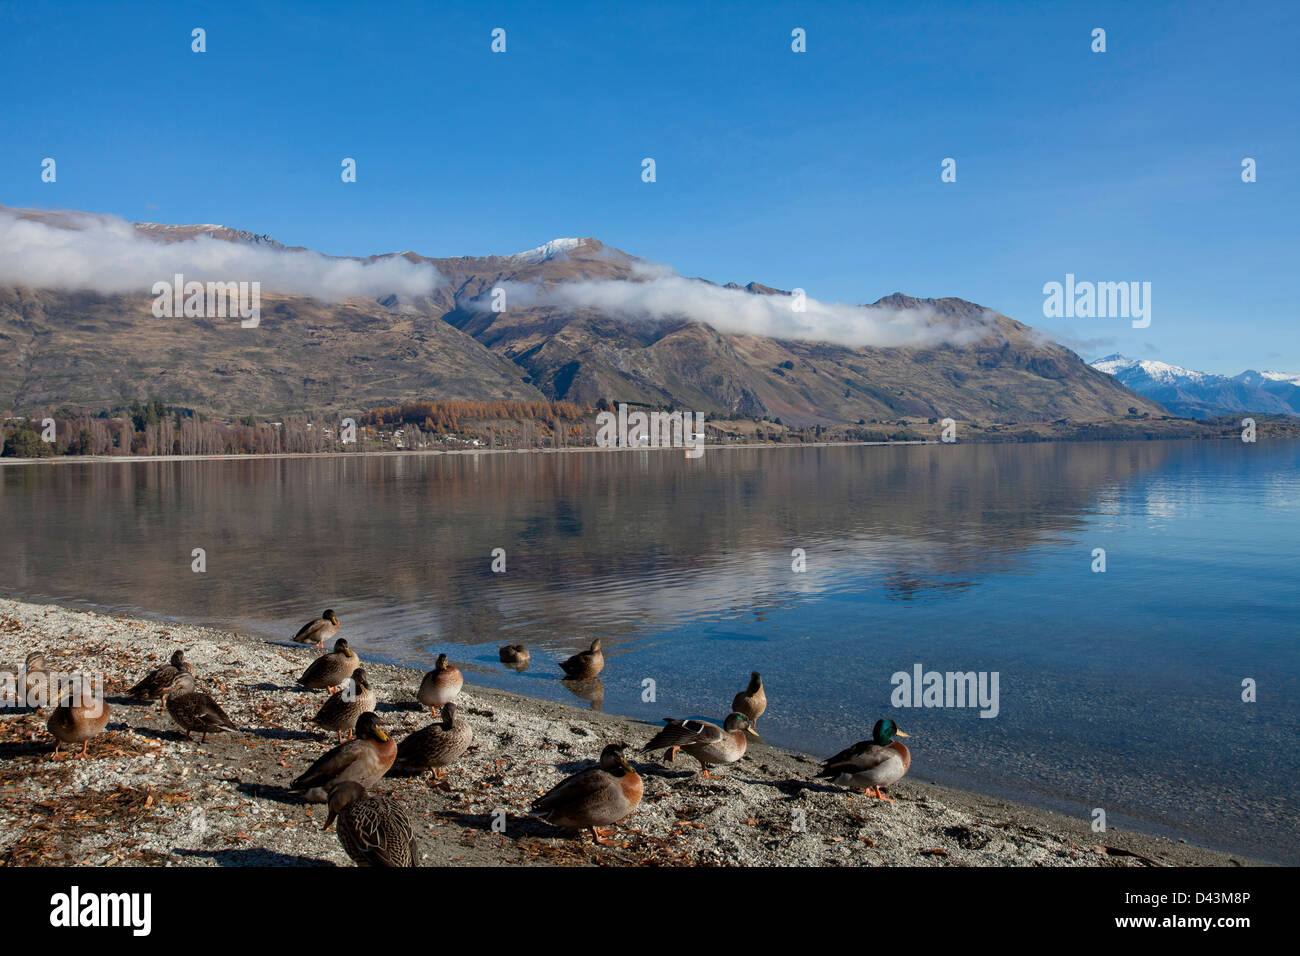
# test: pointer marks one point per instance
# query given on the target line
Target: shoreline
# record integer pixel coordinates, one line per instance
(145, 796)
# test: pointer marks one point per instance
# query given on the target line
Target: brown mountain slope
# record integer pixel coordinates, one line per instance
(91, 351)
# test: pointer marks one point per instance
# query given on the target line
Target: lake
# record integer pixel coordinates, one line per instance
(1119, 690)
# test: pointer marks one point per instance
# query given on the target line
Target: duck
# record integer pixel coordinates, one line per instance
(440, 685)
(436, 746)
(81, 716)
(341, 711)
(708, 743)
(35, 681)
(596, 797)
(319, 631)
(514, 655)
(585, 664)
(328, 671)
(373, 828)
(871, 764)
(751, 701)
(154, 684)
(364, 759)
(194, 711)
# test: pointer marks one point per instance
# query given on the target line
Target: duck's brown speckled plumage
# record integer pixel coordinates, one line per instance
(373, 828)
(585, 664)
(342, 710)
(193, 711)
(364, 760)
(751, 701)
(438, 745)
(154, 684)
(81, 716)
(708, 743)
(440, 685)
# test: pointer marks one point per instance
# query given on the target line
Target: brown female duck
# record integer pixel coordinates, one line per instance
(373, 828)
(341, 711)
(440, 685)
(328, 671)
(364, 760)
(195, 712)
(596, 797)
(585, 664)
(436, 746)
(155, 683)
(81, 716)
(751, 701)
(319, 631)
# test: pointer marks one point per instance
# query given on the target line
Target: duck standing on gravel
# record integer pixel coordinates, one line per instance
(78, 718)
(328, 671)
(585, 664)
(871, 764)
(36, 681)
(342, 710)
(155, 683)
(708, 743)
(373, 828)
(751, 701)
(364, 760)
(436, 746)
(596, 797)
(195, 712)
(440, 685)
(319, 631)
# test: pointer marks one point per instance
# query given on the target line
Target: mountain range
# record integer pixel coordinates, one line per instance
(96, 347)
(1194, 394)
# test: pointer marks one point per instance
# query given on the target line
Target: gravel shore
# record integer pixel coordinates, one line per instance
(146, 796)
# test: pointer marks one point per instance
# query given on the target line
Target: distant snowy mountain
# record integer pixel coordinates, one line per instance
(1203, 394)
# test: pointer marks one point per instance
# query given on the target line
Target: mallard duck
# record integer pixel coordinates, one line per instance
(515, 655)
(751, 701)
(194, 711)
(328, 671)
(373, 828)
(436, 746)
(153, 684)
(79, 717)
(871, 764)
(595, 797)
(441, 685)
(364, 759)
(341, 711)
(319, 631)
(35, 681)
(707, 743)
(586, 664)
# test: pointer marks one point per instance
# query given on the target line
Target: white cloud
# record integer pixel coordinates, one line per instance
(106, 254)
(658, 294)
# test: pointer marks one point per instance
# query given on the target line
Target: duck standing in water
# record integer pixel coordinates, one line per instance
(596, 797)
(319, 631)
(373, 828)
(328, 671)
(708, 743)
(751, 701)
(585, 664)
(871, 764)
(440, 685)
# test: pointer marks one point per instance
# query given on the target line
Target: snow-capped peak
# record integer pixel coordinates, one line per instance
(1156, 371)
(549, 250)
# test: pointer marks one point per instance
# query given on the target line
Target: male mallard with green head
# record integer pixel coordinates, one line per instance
(155, 683)
(440, 685)
(871, 764)
(708, 743)
(751, 701)
(319, 631)
(328, 671)
(364, 759)
(585, 664)
(79, 717)
(373, 828)
(436, 746)
(341, 711)
(596, 797)
(195, 712)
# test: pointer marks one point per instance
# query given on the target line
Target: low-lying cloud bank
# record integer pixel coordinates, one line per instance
(106, 254)
(658, 295)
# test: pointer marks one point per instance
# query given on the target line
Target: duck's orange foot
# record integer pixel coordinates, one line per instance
(596, 836)
(705, 770)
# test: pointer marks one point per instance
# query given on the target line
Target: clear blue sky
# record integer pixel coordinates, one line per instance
(818, 170)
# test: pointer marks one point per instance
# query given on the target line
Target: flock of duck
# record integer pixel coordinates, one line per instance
(374, 829)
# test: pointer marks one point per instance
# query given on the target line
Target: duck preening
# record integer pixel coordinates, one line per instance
(751, 701)
(596, 797)
(319, 631)
(708, 743)
(871, 764)
(585, 664)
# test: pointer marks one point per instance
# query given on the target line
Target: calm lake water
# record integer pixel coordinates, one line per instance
(1120, 690)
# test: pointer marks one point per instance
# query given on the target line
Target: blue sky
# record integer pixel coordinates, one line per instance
(818, 170)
